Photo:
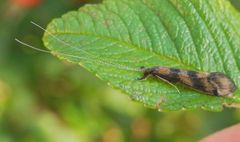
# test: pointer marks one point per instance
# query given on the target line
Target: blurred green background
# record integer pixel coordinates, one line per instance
(43, 99)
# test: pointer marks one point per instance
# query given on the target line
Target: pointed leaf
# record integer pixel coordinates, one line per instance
(115, 38)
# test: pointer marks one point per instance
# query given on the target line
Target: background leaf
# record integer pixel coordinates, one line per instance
(117, 37)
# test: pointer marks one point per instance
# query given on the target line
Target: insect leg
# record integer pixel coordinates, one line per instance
(168, 83)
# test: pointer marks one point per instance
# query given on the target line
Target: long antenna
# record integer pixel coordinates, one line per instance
(86, 59)
(30, 46)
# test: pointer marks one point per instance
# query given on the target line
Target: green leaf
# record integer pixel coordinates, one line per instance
(115, 38)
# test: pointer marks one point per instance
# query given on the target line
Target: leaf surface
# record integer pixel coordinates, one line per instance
(115, 38)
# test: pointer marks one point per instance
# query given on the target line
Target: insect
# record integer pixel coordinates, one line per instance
(213, 83)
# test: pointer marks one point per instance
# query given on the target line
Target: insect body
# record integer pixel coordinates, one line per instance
(213, 83)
